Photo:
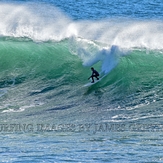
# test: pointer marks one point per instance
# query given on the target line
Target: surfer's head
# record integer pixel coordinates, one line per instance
(92, 68)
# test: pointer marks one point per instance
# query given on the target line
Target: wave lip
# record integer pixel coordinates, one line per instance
(43, 22)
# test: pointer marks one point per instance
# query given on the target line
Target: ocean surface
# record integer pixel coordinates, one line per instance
(47, 48)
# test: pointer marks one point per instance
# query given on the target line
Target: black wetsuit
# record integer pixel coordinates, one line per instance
(94, 74)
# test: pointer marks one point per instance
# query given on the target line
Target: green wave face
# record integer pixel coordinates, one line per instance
(47, 71)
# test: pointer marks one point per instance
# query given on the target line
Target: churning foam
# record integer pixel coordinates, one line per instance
(44, 22)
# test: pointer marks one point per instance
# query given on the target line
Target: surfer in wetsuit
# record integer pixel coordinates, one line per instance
(94, 74)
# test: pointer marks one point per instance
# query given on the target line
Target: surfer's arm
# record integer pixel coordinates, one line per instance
(90, 76)
(93, 73)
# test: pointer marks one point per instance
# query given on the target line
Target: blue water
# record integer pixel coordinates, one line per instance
(46, 51)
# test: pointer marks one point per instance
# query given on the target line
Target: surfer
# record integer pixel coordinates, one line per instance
(94, 74)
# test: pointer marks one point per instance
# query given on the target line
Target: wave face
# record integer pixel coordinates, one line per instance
(46, 58)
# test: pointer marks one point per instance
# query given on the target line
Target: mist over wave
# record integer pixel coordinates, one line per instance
(42, 22)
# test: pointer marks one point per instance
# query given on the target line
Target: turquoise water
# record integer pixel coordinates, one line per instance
(46, 51)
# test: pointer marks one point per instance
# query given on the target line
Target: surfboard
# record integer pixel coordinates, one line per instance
(95, 81)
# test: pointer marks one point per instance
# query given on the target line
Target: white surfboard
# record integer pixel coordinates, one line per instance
(95, 81)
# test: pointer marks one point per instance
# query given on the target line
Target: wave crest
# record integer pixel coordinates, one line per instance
(42, 22)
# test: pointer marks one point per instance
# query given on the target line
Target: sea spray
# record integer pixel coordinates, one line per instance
(91, 53)
(35, 22)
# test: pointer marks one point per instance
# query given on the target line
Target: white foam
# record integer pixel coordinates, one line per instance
(44, 22)
(35, 21)
(91, 53)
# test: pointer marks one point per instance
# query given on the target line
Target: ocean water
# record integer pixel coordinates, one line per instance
(47, 48)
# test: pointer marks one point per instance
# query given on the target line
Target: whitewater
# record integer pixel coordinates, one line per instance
(46, 51)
